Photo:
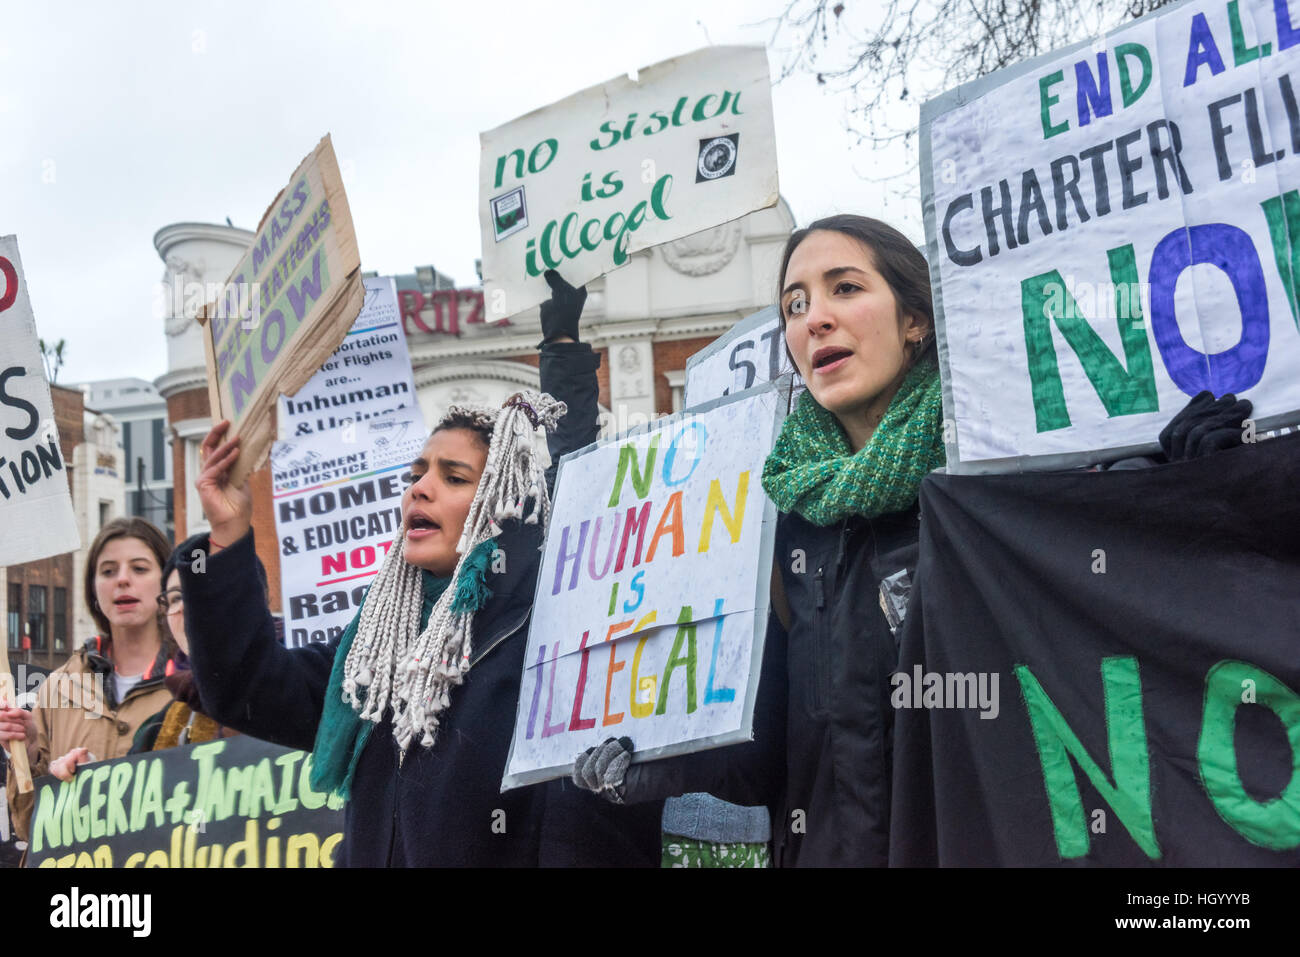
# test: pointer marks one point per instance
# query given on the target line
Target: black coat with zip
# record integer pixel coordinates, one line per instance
(440, 806)
(823, 723)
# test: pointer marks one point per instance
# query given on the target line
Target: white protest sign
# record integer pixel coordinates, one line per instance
(652, 597)
(36, 518)
(1110, 231)
(750, 353)
(582, 184)
(338, 506)
(369, 375)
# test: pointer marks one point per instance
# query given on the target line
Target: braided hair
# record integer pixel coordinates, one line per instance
(391, 662)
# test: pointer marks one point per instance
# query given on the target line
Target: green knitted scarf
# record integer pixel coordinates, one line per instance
(814, 471)
(342, 735)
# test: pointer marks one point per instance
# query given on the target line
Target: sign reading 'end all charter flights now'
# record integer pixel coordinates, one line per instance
(1113, 229)
(652, 599)
(582, 184)
(36, 518)
(286, 307)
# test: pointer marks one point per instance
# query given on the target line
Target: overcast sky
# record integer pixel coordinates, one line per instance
(120, 118)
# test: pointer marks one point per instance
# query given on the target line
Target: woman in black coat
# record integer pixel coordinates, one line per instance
(423, 773)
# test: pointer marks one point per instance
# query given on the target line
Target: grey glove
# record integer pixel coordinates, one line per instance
(601, 769)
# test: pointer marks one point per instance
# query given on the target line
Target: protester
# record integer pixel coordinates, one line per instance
(859, 325)
(182, 721)
(845, 474)
(409, 713)
(90, 708)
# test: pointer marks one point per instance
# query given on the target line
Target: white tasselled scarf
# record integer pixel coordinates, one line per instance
(414, 671)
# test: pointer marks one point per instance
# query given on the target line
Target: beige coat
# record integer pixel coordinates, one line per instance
(72, 712)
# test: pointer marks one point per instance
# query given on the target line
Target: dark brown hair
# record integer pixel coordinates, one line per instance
(470, 422)
(892, 254)
(127, 527)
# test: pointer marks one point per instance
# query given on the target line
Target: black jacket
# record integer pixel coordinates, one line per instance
(441, 805)
(824, 770)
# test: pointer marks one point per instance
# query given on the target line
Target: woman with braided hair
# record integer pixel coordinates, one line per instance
(409, 713)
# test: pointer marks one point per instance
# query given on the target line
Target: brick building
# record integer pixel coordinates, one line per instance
(645, 319)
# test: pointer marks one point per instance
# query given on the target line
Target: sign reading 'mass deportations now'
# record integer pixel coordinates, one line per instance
(1112, 229)
(286, 307)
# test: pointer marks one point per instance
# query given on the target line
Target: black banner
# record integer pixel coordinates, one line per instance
(1103, 668)
(235, 802)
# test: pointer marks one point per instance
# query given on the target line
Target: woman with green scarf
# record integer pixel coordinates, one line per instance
(845, 473)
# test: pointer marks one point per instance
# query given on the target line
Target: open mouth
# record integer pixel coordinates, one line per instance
(832, 356)
(418, 526)
(125, 603)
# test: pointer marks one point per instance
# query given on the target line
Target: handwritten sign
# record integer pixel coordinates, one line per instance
(652, 597)
(286, 307)
(36, 517)
(750, 353)
(582, 184)
(1111, 231)
(234, 802)
(338, 506)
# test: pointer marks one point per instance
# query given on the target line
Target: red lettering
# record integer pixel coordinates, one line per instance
(11, 285)
(577, 722)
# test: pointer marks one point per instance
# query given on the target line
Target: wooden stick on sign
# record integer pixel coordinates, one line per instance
(9, 699)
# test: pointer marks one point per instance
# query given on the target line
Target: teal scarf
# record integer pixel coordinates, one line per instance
(342, 735)
(814, 472)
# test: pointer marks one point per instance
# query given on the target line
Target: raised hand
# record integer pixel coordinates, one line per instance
(229, 510)
(560, 314)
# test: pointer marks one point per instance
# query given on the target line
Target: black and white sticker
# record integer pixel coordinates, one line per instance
(717, 157)
(509, 213)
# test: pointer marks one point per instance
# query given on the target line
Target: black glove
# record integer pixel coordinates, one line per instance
(560, 314)
(1205, 425)
(601, 769)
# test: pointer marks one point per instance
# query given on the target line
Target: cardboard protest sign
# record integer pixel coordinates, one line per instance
(36, 518)
(234, 802)
(750, 353)
(1111, 229)
(286, 307)
(338, 506)
(582, 184)
(652, 597)
(368, 375)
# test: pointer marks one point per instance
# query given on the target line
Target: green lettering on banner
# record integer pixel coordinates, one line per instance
(1274, 823)
(1122, 53)
(1126, 738)
(1241, 53)
(685, 630)
(627, 461)
(51, 805)
(1283, 215)
(1122, 391)
(1047, 101)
